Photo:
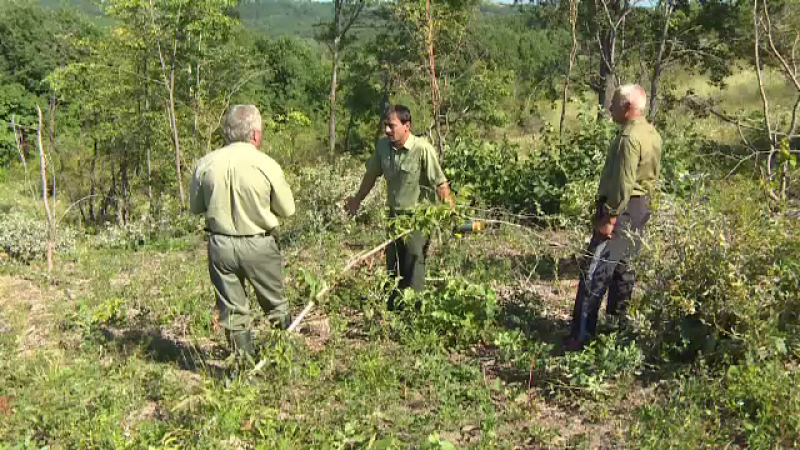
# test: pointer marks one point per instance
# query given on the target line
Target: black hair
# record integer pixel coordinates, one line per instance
(402, 111)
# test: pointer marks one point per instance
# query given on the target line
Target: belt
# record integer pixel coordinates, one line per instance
(214, 233)
(602, 198)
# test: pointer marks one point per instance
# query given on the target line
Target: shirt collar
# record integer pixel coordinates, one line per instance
(409, 144)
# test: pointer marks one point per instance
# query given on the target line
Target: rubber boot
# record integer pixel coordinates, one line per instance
(241, 343)
(282, 322)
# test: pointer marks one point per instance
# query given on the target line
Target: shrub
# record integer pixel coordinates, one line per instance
(136, 233)
(755, 401)
(319, 197)
(497, 175)
(24, 238)
(605, 359)
(459, 313)
(721, 278)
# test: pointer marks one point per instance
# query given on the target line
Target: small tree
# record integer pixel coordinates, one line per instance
(345, 15)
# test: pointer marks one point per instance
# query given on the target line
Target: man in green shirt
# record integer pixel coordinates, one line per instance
(630, 174)
(413, 176)
(242, 192)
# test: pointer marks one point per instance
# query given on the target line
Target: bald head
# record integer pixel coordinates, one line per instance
(243, 124)
(630, 101)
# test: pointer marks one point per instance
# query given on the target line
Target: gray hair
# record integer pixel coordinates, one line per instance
(241, 122)
(634, 95)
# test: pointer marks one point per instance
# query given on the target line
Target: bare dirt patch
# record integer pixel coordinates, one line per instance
(25, 310)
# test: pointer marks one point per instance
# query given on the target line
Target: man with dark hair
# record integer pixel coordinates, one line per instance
(413, 175)
(402, 112)
(242, 193)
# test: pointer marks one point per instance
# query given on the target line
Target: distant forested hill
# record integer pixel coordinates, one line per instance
(284, 17)
(273, 17)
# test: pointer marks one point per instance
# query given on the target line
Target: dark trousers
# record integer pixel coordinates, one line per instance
(405, 258)
(605, 267)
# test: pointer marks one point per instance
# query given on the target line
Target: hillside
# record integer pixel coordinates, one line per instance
(272, 17)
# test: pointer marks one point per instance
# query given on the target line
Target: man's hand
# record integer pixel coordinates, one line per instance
(352, 205)
(443, 190)
(215, 320)
(604, 226)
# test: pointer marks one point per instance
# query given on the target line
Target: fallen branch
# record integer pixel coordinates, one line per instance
(350, 265)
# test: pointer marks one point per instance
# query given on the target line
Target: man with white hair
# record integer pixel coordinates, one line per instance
(242, 193)
(630, 175)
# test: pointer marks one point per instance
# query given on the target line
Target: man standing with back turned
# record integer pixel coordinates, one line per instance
(413, 175)
(630, 174)
(242, 192)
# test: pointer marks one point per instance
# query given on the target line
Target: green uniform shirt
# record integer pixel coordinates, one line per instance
(412, 172)
(632, 165)
(241, 190)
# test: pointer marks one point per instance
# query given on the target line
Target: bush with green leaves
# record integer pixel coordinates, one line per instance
(459, 313)
(720, 275)
(146, 229)
(319, 198)
(497, 175)
(24, 238)
(604, 359)
(755, 401)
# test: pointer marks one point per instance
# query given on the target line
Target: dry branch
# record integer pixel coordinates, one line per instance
(350, 265)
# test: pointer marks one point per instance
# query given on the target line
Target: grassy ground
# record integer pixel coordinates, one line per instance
(114, 349)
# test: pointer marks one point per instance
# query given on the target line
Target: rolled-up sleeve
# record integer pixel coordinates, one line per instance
(624, 176)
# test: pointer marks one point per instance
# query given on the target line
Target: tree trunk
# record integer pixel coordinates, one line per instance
(606, 93)
(337, 39)
(658, 66)
(169, 85)
(175, 140)
(607, 41)
(196, 94)
(147, 128)
(764, 101)
(52, 137)
(434, 84)
(43, 164)
(573, 20)
(332, 121)
(93, 188)
(384, 105)
(18, 142)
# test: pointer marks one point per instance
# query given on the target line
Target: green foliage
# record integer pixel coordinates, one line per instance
(605, 359)
(18, 102)
(458, 313)
(497, 175)
(712, 287)
(36, 41)
(320, 207)
(24, 238)
(283, 17)
(296, 79)
(756, 402)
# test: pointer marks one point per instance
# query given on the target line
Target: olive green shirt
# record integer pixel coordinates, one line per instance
(412, 172)
(241, 190)
(632, 167)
